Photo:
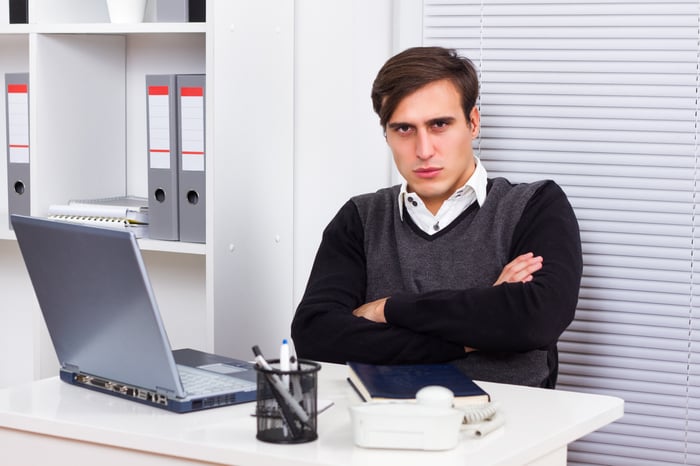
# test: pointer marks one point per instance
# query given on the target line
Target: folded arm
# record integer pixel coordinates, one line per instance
(324, 327)
(519, 270)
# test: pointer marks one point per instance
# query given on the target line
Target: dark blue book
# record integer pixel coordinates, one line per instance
(401, 382)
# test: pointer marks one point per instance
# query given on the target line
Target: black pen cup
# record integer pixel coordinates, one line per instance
(286, 402)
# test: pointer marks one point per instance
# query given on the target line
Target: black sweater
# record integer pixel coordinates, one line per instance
(367, 252)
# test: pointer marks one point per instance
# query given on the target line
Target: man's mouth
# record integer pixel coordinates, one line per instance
(427, 172)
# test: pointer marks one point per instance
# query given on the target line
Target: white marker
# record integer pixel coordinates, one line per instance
(285, 362)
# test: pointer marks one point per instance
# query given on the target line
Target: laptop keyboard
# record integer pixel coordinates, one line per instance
(198, 382)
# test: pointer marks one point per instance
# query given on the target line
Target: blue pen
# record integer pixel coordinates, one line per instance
(284, 362)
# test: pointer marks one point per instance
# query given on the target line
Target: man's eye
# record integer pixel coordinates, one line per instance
(440, 124)
(403, 129)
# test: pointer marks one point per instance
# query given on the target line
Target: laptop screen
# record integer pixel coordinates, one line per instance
(96, 298)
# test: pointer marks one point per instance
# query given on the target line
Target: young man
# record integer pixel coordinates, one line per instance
(451, 265)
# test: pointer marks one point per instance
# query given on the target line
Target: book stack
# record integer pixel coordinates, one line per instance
(122, 212)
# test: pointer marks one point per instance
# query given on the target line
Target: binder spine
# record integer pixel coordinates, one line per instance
(19, 11)
(17, 130)
(192, 180)
(162, 137)
(168, 11)
(197, 11)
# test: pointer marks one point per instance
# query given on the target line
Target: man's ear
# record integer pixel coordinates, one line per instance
(474, 121)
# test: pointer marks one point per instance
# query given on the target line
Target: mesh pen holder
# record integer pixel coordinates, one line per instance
(286, 403)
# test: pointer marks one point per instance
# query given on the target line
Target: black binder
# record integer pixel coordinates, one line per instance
(19, 11)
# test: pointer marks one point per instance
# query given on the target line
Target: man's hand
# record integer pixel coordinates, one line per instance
(520, 269)
(373, 311)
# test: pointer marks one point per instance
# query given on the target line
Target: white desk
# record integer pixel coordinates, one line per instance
(51, 422)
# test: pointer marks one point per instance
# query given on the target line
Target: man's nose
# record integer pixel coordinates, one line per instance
(424, 145)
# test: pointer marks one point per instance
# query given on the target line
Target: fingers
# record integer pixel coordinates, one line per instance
(373, 311)
(520, 269)
(523, 266)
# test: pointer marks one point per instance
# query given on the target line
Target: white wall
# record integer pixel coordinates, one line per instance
(19, 313)
(339, 150)
(178, 282)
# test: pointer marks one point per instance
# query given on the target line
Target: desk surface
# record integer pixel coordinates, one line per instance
(538, 422)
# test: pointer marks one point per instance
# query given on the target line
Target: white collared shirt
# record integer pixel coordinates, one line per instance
(473, 190)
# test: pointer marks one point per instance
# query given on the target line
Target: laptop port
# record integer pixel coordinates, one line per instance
(99, 383)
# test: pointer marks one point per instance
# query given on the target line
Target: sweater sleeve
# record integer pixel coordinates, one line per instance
(511, 316)
(324, 328)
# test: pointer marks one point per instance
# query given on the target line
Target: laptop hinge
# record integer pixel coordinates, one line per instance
(71, 368)
(165, 391)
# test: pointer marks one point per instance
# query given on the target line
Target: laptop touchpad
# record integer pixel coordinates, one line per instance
(220, 368)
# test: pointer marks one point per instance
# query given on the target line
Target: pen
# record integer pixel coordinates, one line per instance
(284, 362)
(284, 367)
(296, 382)
(279, 388)
(287, 415)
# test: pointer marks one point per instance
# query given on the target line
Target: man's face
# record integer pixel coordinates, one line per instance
(432, 142)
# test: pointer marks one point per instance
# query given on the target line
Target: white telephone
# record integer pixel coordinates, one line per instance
(431, 423)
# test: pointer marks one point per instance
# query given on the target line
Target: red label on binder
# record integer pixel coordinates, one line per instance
(17, 88)
(157, 90)
(192, 92)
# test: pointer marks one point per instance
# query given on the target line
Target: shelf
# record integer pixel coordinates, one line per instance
(172, 246)
(104, 28)
(9, 29)
(110, 28)
(145, 244)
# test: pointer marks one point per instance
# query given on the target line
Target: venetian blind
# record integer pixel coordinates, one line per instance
(602, 96)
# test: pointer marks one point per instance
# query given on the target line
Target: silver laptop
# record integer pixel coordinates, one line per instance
(100, 311)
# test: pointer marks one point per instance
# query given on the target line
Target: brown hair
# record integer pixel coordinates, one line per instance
(415, 67)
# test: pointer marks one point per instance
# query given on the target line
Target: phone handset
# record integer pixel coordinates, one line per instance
(479, 419)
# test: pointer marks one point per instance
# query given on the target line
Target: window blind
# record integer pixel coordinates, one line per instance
(602, 97)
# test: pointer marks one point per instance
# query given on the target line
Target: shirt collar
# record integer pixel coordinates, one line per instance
(476, 183)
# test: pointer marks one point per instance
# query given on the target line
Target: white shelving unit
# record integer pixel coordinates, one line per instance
(87, 104)
(88, 140)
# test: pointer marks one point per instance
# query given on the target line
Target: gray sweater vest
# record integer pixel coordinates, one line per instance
(469, 253)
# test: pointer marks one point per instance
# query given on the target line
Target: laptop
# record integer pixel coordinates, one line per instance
(104, 323)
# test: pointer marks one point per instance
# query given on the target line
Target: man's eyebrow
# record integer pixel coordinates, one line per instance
(398, 124)
(445, 119)
(430, 122)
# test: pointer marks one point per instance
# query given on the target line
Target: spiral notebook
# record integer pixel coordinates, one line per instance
(121, 213)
